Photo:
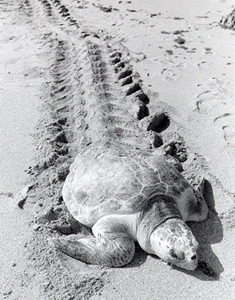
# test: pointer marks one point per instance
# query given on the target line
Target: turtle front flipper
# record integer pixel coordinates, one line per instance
(194, 207)
(112, 250)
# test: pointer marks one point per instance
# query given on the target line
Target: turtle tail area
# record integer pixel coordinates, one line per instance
(115, 252)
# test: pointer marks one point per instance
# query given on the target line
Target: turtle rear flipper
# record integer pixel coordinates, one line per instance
(114, 251)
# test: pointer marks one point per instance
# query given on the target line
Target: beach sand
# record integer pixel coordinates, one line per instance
(185, 62)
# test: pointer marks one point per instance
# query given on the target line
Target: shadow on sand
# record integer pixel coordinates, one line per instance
(207, 233)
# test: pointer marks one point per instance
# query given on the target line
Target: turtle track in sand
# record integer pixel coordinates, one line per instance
(93, 94)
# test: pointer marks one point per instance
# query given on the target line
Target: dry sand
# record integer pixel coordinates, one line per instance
(181, 54)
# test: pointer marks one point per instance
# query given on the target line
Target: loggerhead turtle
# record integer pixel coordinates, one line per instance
(129, 196)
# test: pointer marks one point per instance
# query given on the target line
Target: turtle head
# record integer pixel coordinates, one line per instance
(174, 242)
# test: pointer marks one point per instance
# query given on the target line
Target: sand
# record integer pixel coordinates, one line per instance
(185, 62)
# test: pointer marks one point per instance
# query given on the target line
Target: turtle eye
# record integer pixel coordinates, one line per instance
(173, 254)
(177, 254)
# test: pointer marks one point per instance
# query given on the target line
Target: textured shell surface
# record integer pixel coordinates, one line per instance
(107, 180)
